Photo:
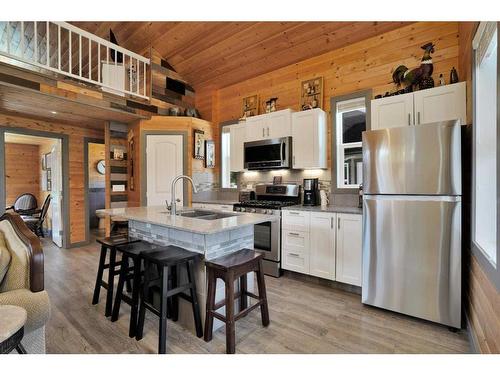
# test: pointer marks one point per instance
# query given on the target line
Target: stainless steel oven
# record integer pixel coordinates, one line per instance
(267, 235)
(268, 154)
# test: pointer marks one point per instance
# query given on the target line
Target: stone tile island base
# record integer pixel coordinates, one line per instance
(211, 246)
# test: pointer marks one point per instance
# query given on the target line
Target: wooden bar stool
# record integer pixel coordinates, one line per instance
(229, 268)
(130, 252)
(113, 267)
(166, 259)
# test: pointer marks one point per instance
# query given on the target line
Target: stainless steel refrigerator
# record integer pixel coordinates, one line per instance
(412, 221)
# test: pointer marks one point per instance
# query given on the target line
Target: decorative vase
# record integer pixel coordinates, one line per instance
(453, 75)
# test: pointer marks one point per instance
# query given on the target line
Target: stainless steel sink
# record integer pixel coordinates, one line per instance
(205, 215)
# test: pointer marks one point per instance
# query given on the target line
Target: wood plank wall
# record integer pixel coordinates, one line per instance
(187, 124)
(76, 164)
(363, 65)
(22, 171)
(481, 298)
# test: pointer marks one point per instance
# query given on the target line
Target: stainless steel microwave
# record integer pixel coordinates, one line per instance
(268, 154)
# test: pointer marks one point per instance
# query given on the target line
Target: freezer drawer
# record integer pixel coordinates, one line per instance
(412, 256)
(423, 159)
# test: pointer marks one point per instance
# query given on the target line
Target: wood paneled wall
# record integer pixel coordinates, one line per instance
(483, 309)
(22, 171)
(172, 123)
(76, 164)
(466, 31)
(364, 65)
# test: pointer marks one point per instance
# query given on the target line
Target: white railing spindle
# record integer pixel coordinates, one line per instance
(80, 55)
(59, 45)
(35, 31)
(22, 39)
(99, 62)
(70, 49)
(135, 61)
(47, 40)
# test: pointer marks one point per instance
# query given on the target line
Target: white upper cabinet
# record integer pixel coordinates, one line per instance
(270, 125)
(322, 245)
(237, 140)
(440, 104)
(348, 267)
(255, 128)
(392, 112)
(309, 139)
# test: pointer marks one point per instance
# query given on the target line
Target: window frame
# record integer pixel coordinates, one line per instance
(221, 126)
(491, 270)
(367, 94)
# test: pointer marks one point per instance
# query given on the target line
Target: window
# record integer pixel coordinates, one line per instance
(485, 140)
(350, 120)
(228, 178)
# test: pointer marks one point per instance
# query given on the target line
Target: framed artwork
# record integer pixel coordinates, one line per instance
(210, 154)
(250, 106)
(199, 144)
(311, 94)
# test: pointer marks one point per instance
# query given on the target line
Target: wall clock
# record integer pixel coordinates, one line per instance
(101, 167)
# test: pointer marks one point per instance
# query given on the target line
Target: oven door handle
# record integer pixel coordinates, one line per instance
(283, 151)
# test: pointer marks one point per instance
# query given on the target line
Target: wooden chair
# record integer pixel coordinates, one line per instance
(25, 204)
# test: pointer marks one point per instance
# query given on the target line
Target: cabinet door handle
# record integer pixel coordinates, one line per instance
(293, 234)
(294, 255)
(331, 222)
(338, 223)
(418, 117)
(293, 213)
(263, 132)
(409, 119)
(294, 160)
(268, 131)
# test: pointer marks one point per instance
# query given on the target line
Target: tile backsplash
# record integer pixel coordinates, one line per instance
(209, 189)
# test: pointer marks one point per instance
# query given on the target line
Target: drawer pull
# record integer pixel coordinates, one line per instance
(293, 213)
(294, 255)
(294, 234)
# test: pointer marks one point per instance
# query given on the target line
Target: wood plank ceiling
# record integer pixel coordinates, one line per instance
(218, 54)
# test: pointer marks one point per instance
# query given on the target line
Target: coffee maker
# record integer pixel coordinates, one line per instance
(311, 192)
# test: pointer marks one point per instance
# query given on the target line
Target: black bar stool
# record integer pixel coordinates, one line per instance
(108, 243)
(165, 260)
(131, 252)
(229, 268)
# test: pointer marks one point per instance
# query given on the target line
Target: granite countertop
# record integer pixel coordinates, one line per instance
(159, 215)
(214, 201)
(329, 208)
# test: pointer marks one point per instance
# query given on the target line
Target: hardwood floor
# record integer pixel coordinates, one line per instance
(306, 317)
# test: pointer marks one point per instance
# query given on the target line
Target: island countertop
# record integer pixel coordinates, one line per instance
(158, 215)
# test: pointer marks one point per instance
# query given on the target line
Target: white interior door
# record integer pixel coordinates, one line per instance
(56, 194)
(164, 154)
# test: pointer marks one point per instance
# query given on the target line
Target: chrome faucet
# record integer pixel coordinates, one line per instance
(173, 207)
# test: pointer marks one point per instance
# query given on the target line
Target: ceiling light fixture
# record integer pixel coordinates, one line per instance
(53, 112)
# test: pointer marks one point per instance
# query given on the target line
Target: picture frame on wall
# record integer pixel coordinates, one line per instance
(311, 93)
(199, 144)
(250, 106)
(210, 154)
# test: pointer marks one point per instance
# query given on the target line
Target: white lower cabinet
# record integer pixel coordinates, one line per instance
(348, 267)
(322, 244)
(295, 251)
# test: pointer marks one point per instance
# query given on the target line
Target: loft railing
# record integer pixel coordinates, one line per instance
(68, 50)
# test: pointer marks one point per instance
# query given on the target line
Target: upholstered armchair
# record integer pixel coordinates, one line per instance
(21, 278)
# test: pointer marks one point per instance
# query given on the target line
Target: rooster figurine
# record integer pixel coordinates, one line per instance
(403, 76)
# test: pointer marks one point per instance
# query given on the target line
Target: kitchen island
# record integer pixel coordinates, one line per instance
(208, 232)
